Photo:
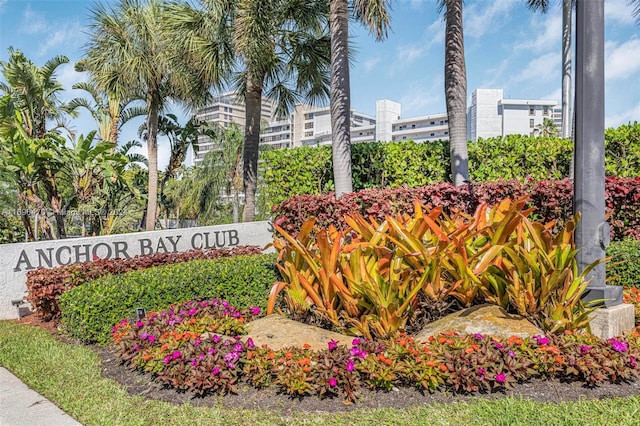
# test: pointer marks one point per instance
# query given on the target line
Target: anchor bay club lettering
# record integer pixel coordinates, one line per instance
(79, 253)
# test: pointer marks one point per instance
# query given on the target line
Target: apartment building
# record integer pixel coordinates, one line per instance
(489, 115)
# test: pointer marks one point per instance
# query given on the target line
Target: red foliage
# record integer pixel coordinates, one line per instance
(552, 199)
(44, 286)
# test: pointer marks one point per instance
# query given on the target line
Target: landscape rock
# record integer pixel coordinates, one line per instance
(489, 320)
(279, 332)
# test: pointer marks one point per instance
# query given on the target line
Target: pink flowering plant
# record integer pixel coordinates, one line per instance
(197, 347)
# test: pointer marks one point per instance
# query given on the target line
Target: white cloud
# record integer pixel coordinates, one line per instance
(621, 12)
(3, 3)
(418, 99)
(486, 17)
(33, 22)
(622, 60)
(544, 33)
(631, 115)
(434, 33)
(541, 69)
(370, 64)
(59, 37)
(556, 95)
(410, 53)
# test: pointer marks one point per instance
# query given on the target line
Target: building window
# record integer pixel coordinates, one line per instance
(545, 111)
(433, 134)
(308, 125)
(432, 123)
(413, 126)
(308, 134)
(531, 123)
(308, 116)
(532, 110)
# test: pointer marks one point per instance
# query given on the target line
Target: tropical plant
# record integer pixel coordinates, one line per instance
(109, 112)
(129, 57)
(374, 14)
(279, 49)
(455, 89)
(89, 166)
(30, 105)
(547, 128)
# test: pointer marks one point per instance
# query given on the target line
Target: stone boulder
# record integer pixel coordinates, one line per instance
(488, 320)
(278, 332)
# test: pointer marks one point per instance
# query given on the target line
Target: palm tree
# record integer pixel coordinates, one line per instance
(31, 113)
(547, 128)
(128, 57)
(374, 14)
(455, 88)
(279, 49)
(109, 112)
(543, 6)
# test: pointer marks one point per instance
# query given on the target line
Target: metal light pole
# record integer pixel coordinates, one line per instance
(592, 233)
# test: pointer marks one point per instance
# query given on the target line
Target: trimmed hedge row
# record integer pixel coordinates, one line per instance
(624, 267)
(553, 200)
(45, 286)
(90, 311)
(308, 170)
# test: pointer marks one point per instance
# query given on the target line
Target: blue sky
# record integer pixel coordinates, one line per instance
(506, 46)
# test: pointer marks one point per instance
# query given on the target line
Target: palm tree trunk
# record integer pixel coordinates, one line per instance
(153, 104)
(253, 103)
(455, 86)
(566, 67)
(340, 97)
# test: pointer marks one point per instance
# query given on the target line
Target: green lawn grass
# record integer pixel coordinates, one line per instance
(70, 377)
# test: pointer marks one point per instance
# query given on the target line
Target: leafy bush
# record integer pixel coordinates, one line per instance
(624, 266)
(365, 280)
(89, 311)
(45, 286)
(184, 348)
(307, 170)
(552, 200)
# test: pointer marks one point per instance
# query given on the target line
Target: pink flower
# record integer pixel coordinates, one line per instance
(139, 324)
(481, 371)
(542, 341)
(167, 359)
(618, 345)
(333, 382)
(584, 349)
(501, 377)
(250, 343)
(512, 354)
(215, 338)
(355, 342)
(350, 366)
(215, 371)
(176, 355)
(333, 344)
(633, 362)
(151, 339)
(498, 345)
(478, 336)
(255, 310)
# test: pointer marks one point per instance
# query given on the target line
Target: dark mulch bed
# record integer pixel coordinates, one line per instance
(250, 398)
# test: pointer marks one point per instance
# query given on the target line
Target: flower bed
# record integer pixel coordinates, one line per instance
(196, 346)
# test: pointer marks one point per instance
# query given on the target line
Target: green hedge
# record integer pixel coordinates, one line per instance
(624, 266)
(91, 310)
(307, 170)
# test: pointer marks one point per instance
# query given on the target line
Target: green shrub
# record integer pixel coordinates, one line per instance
(91, 310)
(624, 266)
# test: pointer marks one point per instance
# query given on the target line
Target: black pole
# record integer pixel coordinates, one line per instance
(592, 232)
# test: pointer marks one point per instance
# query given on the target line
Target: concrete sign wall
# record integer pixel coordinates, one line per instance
(17, 259)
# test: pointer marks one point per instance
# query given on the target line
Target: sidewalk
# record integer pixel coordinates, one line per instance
(22, 406)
